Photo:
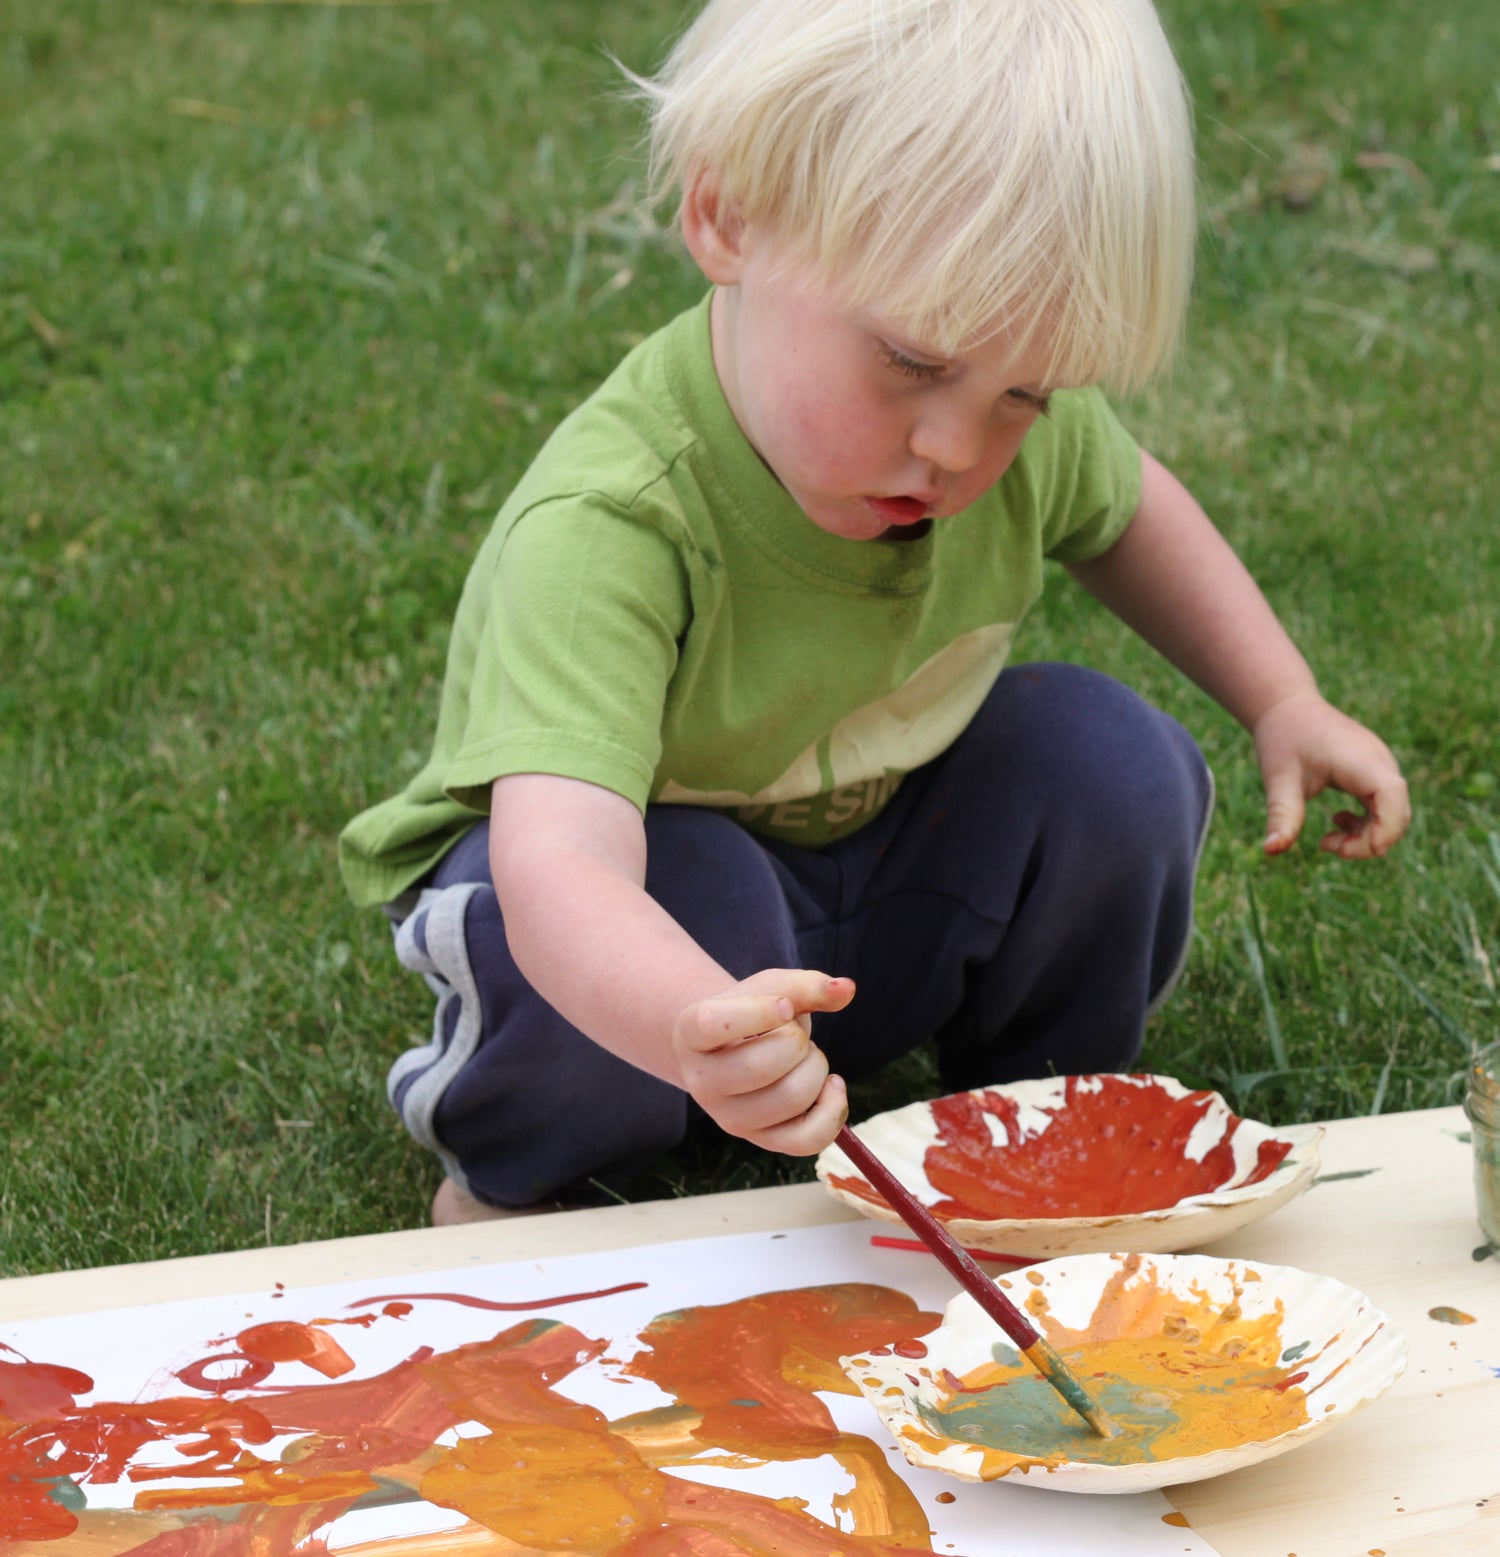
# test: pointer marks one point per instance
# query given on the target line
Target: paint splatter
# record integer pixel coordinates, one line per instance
(1178, 1375)
(1114, 1146)
(548, 1474)
(1450, 1316)
(1180, 1520)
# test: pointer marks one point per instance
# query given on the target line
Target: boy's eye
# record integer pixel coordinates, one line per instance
(910, 367)
(1041, 404)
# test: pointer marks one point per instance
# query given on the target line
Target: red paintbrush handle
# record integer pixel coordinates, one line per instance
(922, 1222)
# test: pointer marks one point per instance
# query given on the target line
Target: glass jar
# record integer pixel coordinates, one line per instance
(1482, 1105)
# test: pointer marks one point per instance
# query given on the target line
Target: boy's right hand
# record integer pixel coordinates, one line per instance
(748, 1060)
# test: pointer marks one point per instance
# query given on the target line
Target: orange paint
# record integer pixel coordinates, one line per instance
(1179, 1520)
(285, 1341)
(1451, 1316)
(1115, 1147)
(548, 1474)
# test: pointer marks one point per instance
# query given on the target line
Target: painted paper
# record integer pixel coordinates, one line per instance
(680, 1400)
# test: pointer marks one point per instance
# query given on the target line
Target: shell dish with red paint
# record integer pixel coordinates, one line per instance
(1074, 1164)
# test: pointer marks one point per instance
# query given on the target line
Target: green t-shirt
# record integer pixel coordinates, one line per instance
(652, 613)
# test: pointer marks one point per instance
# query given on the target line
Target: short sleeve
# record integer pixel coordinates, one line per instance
(586, 607)
(1088, 476)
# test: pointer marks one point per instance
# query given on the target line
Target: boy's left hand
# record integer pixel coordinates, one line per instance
(1304, 746)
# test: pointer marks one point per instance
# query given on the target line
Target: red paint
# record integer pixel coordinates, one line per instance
(197, 1376)
(502, 1308)
(26, 1512)
(33, 1391)
(1114, 1148)
(911, 1349)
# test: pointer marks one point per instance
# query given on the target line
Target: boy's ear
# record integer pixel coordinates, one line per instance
(713, 230)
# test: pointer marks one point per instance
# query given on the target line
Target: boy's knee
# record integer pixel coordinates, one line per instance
(1122, 779)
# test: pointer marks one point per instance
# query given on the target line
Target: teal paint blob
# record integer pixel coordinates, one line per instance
(1021, 1417)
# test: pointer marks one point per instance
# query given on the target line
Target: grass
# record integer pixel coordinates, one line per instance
(289, 295)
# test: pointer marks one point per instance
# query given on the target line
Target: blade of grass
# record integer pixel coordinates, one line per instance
(1254, 942)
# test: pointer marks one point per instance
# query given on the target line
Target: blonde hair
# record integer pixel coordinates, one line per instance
(961, 166)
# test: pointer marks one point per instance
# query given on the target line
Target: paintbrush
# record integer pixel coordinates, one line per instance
(1037, 1350)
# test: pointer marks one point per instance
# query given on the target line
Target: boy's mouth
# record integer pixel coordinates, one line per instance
(899, 510)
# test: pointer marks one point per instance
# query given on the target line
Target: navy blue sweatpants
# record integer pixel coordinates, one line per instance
(1026, 899)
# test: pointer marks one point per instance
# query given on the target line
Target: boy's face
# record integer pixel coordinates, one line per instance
(871, 432)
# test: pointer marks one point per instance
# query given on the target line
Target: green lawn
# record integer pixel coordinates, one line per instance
(290, 293)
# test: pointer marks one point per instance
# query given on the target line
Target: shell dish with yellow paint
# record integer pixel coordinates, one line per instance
(1206, 1365)
(1081, 1164)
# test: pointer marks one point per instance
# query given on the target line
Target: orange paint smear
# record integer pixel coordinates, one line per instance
(1115, 1147)
(548, 1474)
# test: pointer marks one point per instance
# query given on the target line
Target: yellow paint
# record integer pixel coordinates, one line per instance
(547, 1485)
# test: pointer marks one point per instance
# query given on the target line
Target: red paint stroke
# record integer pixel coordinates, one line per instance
(500, 1308)
(1114, 1146)
(197, 1376)
(33, 1391)
(881, 1241)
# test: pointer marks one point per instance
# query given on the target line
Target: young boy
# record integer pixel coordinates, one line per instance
(725, 730)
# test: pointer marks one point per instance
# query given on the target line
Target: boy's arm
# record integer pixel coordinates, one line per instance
(1174, 579)
(569, 865)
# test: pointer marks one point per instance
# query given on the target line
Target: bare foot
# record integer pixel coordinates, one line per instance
(453, 1205)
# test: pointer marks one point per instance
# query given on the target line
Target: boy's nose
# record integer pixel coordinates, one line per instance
(954, 443)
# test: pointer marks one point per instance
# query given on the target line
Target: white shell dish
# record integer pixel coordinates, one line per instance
(1122, 1140)
(1299, 1331)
